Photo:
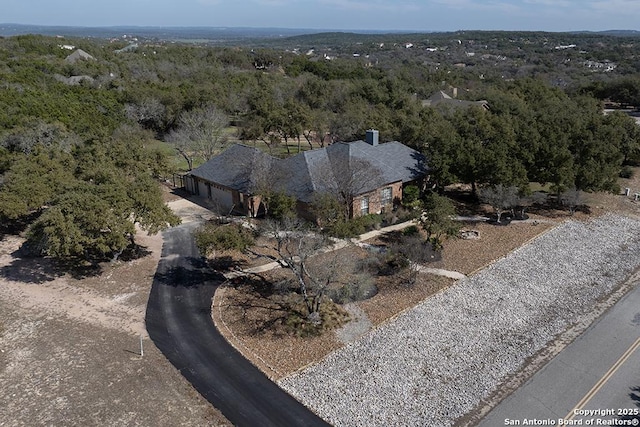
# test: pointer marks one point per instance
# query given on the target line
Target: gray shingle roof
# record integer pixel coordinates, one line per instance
(321, 170)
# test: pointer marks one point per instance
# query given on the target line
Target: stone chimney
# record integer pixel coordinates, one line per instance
(372, 137)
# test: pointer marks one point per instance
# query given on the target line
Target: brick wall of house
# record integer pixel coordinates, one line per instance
(375, 198)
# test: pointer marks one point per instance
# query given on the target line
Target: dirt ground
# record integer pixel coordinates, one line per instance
(70, 348)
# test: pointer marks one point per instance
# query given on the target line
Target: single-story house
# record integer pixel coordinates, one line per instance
(368, 174)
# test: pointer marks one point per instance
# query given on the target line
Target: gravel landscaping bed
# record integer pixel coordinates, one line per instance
(437, 361)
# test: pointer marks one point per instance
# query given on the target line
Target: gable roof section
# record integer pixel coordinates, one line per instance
(234, 168)
(439, 96)
(322, 170)
(307, 173)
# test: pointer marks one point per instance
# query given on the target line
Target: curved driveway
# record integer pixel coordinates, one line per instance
(179, 323)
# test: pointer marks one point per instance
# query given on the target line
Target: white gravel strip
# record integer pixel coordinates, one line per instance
(435, 362)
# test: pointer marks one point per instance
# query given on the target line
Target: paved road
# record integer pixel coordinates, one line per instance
(600, 370)
(179, 323)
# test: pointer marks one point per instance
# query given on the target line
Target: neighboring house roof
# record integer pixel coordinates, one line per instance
(233, 168)
(73, 80)
(441, 98)
(316, 171)
(78, 55)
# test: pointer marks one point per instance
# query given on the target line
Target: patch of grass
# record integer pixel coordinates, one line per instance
(177, 160)
(535, 186)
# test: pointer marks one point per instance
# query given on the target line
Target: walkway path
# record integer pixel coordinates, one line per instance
(342, 243)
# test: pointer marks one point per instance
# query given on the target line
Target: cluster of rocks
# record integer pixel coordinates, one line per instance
(435, 362)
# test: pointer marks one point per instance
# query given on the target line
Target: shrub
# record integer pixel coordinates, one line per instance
(212, 237)
(281, 206)
(327, 209)
(360, 288)
(345, 229)
(411, 230)
(437, 220)
(626, 172)
(411, 197)
(369, 222)
(354, 227)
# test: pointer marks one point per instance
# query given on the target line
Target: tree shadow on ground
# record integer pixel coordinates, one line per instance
(226, 263)
(38, 270)
(31, 268)
(268, 306)
(466, 203)
(195, 273)
(17, 226)
(134, 252)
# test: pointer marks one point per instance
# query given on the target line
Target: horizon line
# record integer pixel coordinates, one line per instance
(316, 30)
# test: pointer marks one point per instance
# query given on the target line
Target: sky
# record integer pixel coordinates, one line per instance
(404, 15)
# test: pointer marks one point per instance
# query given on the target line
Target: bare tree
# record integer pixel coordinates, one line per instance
(527, 201)
(200, 133)
(500, 198)
(150, 113)
(318, 129)
(38, 133)
(296, 246)
(571, 198)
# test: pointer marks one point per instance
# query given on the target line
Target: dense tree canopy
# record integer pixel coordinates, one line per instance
(89, 197)
(79, 138)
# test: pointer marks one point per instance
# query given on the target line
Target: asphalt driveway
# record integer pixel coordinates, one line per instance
(179, 322)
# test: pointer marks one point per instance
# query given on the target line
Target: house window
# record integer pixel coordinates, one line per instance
(364, 205)
(386, 196)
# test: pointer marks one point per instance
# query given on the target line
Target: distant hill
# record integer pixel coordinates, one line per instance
(287, 38)
(618, 33)
(159, 33)
(185, 34)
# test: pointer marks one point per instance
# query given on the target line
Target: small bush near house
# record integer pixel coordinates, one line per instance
(281, 206)
(411, 230)
(411, 198)
(211, 237)
(354, 227)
